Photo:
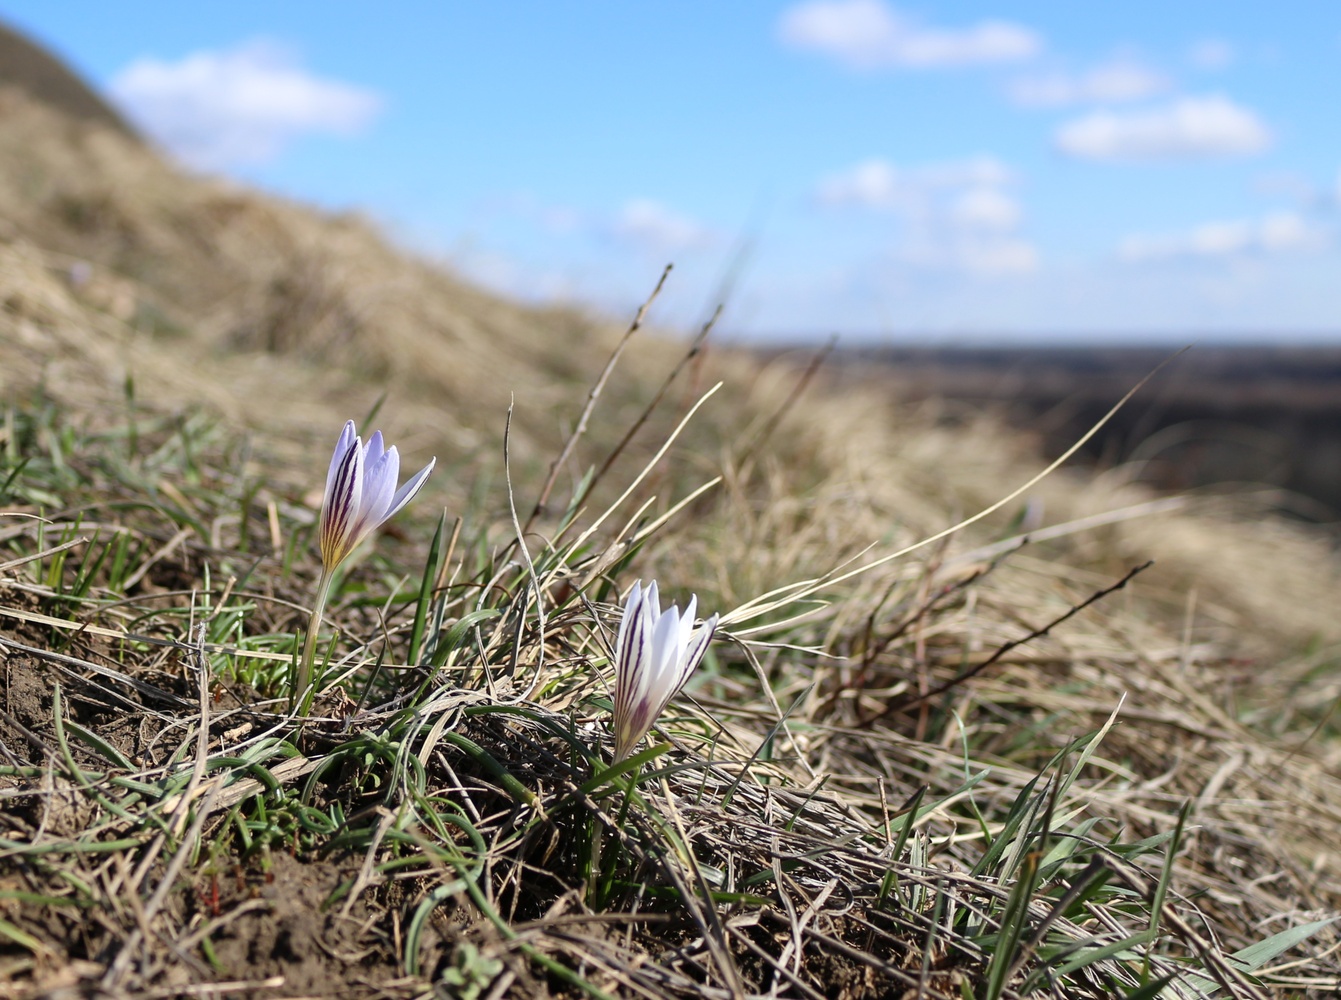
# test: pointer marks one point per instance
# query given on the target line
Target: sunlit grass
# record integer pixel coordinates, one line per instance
(458, 758)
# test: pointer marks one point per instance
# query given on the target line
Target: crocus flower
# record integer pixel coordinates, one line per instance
(361, 495)
(655, 653)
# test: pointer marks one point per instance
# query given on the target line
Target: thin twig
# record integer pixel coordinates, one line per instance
(592, 396)
(695, 346)
(1002, 650)
(798, 390)
(533, 578)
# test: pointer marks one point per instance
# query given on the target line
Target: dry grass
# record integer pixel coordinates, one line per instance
(822, 826)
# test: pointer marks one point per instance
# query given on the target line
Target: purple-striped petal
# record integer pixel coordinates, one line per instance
(655, 653)
(339, 508)
(348, 439)
(379, 485)
(626, 642)
(687, 621)
(695, 650)
(360, 493)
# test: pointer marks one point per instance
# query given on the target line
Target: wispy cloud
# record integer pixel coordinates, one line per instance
(652, 227)
(870, 34)
(986, 210)
(1276, 232)
(954, 216)
(230, 107)
(1117, 81)
(880, 184)
(1187, 128)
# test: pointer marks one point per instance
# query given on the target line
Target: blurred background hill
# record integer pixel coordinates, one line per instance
(29, 68)
(1218, 416)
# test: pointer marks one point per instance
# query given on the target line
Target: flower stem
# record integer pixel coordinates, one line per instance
(607, 884)
(298, 696)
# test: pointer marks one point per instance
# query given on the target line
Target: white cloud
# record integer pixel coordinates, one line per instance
(955, 216)
(1287, 184)
(965, 253)
(1013, 256)
(652, 227)
(1275, 232)
(1187, 128)
(1289, 231)
(1115, 82)
(882, 185)
(986, 210)
(869, 34)
(1211, 54)
(514, 276)
(217, 109)
(870, 184)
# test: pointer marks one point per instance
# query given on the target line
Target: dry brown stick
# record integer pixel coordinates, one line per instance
(43, 554)
(290, 770)
(1002, 650)
(592, 396)
(695, 346)
(163, 552)
(798, 390)
(779, 970)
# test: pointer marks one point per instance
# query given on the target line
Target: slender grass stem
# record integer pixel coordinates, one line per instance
(298, 696)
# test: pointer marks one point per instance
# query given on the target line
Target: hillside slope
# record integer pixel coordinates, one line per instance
(133, 291)
(211, 294)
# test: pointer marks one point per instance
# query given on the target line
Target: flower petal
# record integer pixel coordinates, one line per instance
(687, 621)
(361, 493)
(655, 653)
(694, 651)
(406, 493)
(339, 508)
(379, 485)
(642, 672)
(375, 450)
(348, 439)
(622, 653)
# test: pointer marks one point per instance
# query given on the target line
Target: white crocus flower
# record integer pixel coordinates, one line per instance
(361, 496)
(361, 493)
(655, 653)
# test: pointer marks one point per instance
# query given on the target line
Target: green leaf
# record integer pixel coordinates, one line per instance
(1257, 955)
(109, 752)
(457, 634)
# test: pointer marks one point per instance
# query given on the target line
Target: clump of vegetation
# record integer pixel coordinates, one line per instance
(868, 793)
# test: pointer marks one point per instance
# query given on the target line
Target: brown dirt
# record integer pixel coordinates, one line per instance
(318, 950)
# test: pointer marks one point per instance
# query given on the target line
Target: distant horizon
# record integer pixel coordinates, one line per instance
(981, 169)
(1021, 342)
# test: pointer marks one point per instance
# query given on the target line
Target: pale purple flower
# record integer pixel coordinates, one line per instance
(361, 493)
(654, 655)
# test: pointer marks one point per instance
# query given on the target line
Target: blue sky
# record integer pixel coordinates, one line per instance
(951, 171)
